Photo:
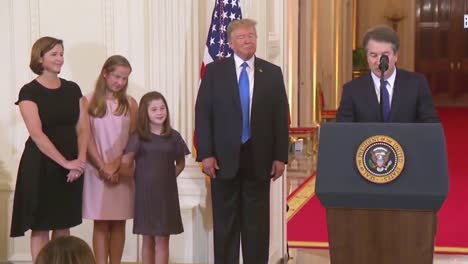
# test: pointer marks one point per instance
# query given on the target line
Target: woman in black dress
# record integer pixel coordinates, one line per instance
(49, 187)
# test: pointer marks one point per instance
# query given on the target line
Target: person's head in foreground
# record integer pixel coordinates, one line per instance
(66, 250)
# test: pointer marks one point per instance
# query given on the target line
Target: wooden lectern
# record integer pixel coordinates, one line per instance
(381, 218)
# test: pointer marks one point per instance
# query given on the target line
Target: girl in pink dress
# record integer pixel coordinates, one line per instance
(108, 197)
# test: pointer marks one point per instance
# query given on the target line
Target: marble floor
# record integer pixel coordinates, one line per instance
(320, 256)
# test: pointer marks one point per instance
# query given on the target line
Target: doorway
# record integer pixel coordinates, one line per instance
(441, 50)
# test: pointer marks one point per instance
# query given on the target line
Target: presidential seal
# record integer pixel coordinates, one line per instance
(380, 159)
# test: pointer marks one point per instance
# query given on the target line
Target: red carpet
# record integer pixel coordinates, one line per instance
(307, 226)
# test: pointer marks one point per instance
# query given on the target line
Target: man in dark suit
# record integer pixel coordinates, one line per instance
(241, 123)
(407, 94)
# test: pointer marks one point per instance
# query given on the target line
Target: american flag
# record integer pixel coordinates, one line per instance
(217, 44)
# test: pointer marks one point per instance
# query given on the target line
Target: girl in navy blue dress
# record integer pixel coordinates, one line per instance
(159, 154)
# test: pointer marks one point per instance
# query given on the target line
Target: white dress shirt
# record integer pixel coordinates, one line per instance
(390, 85)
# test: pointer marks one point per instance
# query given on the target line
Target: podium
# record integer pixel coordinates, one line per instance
(382, 185)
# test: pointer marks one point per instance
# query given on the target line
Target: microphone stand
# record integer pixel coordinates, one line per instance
(383, 66)
(381, 93)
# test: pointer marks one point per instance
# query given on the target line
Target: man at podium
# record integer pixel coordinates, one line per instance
(382, 200)
(406, 95)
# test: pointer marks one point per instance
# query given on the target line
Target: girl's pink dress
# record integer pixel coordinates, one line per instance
(103, 200)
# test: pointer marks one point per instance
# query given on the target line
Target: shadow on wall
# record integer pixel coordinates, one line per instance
(85, 61)
(12, 145)
(3, 171)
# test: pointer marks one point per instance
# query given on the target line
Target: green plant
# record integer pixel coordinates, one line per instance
(359, 59)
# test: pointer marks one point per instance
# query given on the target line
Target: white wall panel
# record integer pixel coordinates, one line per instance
(84, 28)
(6, 100)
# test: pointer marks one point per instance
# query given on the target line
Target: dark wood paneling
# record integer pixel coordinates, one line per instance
(371, 236)
(442, 45)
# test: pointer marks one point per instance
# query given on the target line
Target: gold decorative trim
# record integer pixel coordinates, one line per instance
(325, 245)
(451, 250)
(308, 244)
(301, 197)
(315, 30)
(355, 7)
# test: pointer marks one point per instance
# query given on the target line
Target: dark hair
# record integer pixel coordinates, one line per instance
(143, 127)
(39, 48)
(66, 250)
(97, 105)
(382, 33)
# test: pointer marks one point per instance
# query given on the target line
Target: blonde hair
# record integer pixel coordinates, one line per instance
(39, 48)
(97, 105)
(143, 127)
(66, 250)
(235, 24)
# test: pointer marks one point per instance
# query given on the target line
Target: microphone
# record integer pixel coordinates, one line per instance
(383, 66)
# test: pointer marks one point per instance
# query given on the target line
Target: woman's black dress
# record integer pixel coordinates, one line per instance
(43, 198)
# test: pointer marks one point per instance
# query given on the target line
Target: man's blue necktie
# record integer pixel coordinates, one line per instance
(385, 100)
(244, 93)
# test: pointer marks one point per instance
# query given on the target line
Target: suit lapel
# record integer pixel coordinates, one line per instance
(233, 84)
(397, 94)
(371, 97)
(258, 83)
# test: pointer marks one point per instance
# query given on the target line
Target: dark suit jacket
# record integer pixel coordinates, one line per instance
(218, 117)
(411, 102)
